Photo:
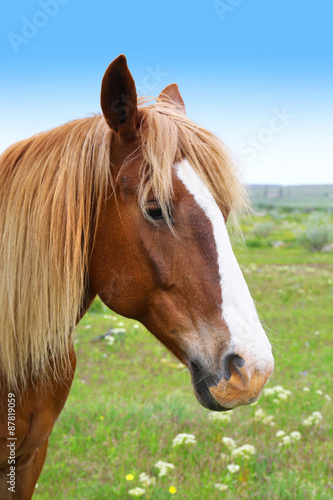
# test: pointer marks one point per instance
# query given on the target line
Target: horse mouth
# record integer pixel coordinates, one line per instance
(201, 384)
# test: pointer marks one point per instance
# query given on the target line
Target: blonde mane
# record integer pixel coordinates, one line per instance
(52, 188)
(168, 135)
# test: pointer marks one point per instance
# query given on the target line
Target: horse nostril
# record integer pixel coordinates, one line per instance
(237, 361)
(231, 363)
(243, 379)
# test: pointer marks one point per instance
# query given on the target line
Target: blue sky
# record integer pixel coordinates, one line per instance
(257, 73)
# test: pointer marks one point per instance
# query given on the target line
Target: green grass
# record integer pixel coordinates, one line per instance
(131, 399)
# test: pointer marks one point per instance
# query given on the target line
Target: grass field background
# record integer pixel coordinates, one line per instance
(294, 196)
(130, 399)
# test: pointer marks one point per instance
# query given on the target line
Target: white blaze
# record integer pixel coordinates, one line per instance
(238, 309)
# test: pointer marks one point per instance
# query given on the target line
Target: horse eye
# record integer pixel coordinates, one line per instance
(154, 210)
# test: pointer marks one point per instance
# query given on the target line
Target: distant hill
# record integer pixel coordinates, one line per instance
(315, 196)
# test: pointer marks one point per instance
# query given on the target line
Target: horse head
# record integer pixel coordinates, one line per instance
(162, 253)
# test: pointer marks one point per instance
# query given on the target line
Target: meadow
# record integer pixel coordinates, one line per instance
(312, 196)
(131, 398)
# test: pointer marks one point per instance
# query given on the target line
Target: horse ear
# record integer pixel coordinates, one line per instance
(119, 99)
(171, 94)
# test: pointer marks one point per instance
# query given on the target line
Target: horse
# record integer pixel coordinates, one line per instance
(130, 205)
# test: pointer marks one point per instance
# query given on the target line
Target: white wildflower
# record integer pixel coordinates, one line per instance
(163, 467)
(268, 420)
(136, 492)
(229, 442)
(259, 415)
(306, 389)
(245, 451)
(280, 434)
(183, 439)
(328, 397)
(220, 416)
(146, 480)
(120, 323)
(221, 486)
(110, 339)
(278, 390)
(313, 419)
(116, 331)
(320, 392)
(233, 468)
(136, 325)
(285, 440)
(295, 435)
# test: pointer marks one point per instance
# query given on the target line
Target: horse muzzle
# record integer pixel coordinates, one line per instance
(239, 380)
